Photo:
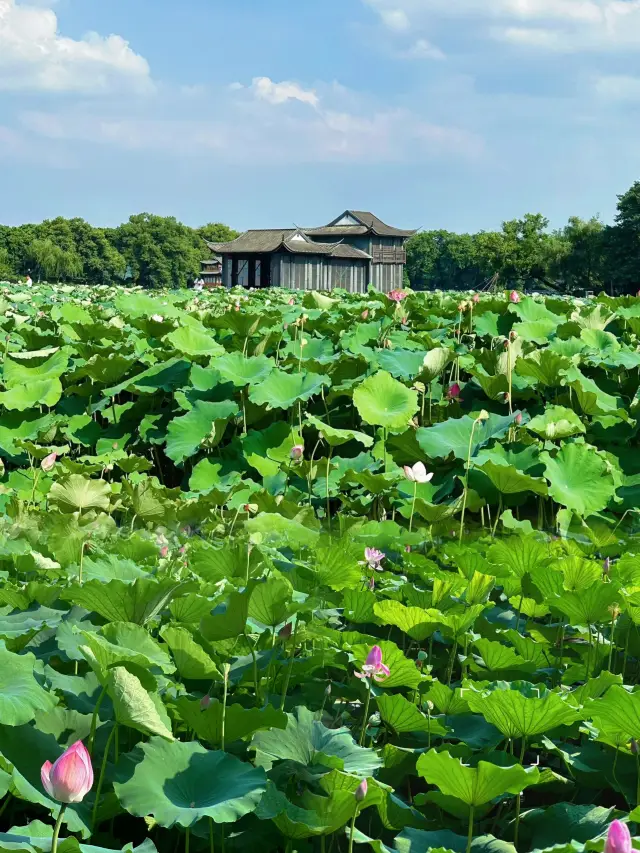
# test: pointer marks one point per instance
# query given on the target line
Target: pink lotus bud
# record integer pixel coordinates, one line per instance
(49, 462)
(618, 838)
(514, 296)
(405, 320)
(364, 314)
(518, 419)
(361, 791)
(285, 632)
(205, 702)
(476, 298)
(291, 301)
(297, 452)
(70, 777)
(454, 391)
(164, 551)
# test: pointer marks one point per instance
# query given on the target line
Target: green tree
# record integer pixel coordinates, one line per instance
(580, 265)
(621, 244)
(160, 251)
(217, 232)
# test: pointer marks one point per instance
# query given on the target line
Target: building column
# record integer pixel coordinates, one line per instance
(234, 270)
(251, 272)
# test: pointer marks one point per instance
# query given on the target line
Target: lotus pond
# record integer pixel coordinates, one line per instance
(318, 574)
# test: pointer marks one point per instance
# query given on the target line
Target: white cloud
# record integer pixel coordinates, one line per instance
(555, 25)
(279, 93)
(395, 19)
(423, 49)
(34, 55)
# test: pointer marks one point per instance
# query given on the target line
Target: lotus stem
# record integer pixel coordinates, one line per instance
(56, 829)
(94, 719)
(187, 837)
(353, 827)
(103, 767)
(470, 832)
(211, 844)
(225, 671)
(466, 482)
(363, 731)
(292, 652)
(413, 505)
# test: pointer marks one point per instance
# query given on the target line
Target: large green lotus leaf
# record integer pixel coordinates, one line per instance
(307, 742)
(517, 555)
(617, 711)
(475, 786)
(566, 822)
(243, 370)
(134, 305)
(123, 601)
(313, 349)
(335, 437)
(508, 480)
(282, 390)
(519, 713)
(205, 422)
(228, 619)
(21, 695)
(580, 479)
(588, 606)
(444, 841)
(206, 477)
(40, 392)
(239, 722)
(383, 401)
(136, 638)
(447, 701)
(192, 662)
(454, 435)
(181, 783)
(75, 492)
(15, 373)
(593, 400)
(337, 565)
(413, 621)
(403, 670)
(556, 422)
(530, 310)
(545, 366)
(166, 376)
(281, 530)
(266, 449)
(536, 331)
(328, 814)
(435, 362)
(269, 604)
(194, 342)
(497, 658)
(400, 363)
(403, 716)
(134, 706)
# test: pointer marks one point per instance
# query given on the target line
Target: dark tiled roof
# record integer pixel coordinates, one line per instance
(338, 230)
(378, 226)
(271, 240)
(335, 250)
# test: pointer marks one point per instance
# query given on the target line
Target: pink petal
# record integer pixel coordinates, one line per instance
(385, 669)
(618, 838)
(374, 658)
(45, 772)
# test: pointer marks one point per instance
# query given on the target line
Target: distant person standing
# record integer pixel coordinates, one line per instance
(29, 281)
(198, 284)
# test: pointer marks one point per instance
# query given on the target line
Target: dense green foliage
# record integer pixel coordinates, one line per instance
(206, 527)
(582, 256)
(151, 251)
(155, 251)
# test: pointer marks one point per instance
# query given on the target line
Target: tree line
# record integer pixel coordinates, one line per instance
(159, 251)
(585, 255)
(148, 250)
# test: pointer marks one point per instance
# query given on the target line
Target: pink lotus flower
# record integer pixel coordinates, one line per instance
(49, 462)
(164, 551)
(70, 777)
(297, 452)
(454, 391)
(518, 419)
(476, 298)
(373, 558)
(417, 473)
(618, 838)
(373, 666)
(514, 297)
(397, 295)
(361, 791)
(291, 301)
(364, 314)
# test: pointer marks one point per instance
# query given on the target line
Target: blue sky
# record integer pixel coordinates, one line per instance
(453, 114)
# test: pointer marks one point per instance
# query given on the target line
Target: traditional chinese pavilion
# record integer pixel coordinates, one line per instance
(353, 251)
